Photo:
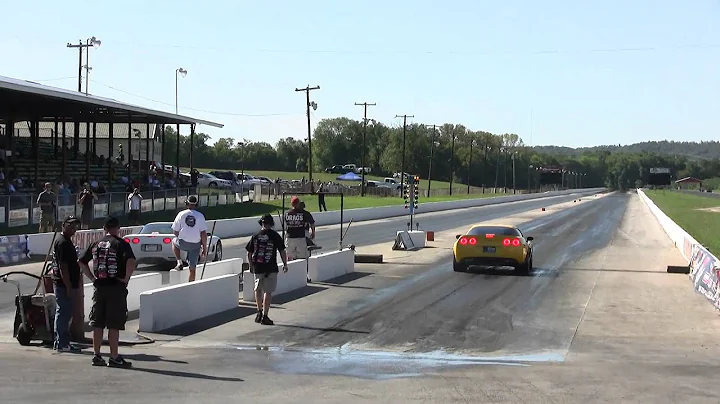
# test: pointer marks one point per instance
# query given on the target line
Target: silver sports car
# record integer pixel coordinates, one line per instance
(152, 245)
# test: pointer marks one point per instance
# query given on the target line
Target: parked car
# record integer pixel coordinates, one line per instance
(210, 181)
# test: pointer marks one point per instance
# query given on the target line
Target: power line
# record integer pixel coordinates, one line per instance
(195, 109)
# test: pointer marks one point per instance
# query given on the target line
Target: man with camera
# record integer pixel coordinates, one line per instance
(87, 199)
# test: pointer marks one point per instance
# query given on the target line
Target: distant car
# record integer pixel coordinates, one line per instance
(493, 246)
(151, 245)
(211, 181)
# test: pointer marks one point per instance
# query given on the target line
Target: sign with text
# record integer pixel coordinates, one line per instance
(659, 176)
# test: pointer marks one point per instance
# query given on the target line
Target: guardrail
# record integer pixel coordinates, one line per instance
(241, 227)
(704, 266)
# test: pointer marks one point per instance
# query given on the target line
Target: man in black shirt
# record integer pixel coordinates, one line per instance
(65, 273)
(262, 250)
(113, 265)
(296, 221)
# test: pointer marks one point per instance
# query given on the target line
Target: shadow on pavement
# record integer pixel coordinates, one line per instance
(206, 323)
(176, 373)
(340, 281)
(321, 329)
(296, 294)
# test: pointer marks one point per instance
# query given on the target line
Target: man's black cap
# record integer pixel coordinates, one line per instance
(192, 199)
(112, 223)
(71, 220)
(267, 219)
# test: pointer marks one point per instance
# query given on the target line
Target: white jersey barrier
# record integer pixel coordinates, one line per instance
(295, 278)
(137, 285)
(330, 265)
(682, 240)
(167, 307)
(226, 228)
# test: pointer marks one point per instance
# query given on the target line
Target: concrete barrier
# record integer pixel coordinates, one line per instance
(331, 264)
(241, 227)
(295, 278)
(231, 266)
(171, 306)
(418, 237)
(137, 285)
(682, 240)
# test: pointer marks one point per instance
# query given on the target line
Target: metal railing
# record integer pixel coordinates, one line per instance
(22, 210)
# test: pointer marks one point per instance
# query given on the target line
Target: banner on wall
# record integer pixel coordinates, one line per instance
(14, 249)
(704, 273)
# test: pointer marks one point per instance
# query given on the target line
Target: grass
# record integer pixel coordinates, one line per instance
(259, 208)
(325, 177)
(684, 209)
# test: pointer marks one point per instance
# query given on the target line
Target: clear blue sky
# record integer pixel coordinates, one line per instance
(607, 72)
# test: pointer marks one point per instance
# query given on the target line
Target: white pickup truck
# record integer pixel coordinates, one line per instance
(357, 170)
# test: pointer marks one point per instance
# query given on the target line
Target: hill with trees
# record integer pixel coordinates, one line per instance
(478, 157)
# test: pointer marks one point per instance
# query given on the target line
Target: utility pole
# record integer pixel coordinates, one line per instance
(472, 141)
(513, 167)
(362, 158)
(90, 43)
(308, 104)
(402, 169)
(432, 148)
(452, 158)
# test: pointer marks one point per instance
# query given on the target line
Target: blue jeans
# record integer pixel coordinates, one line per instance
(63, 314)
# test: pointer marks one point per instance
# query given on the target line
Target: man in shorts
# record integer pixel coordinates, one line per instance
(190, 232)
(296, 220)
(262, 251)
(113, 265)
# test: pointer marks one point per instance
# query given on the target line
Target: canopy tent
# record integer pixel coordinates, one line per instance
(349, 177)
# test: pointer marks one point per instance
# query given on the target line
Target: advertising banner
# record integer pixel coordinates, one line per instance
(14, 249)
(704, 273)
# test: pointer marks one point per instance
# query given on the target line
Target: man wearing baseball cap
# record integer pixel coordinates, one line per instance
(262, 251)
(65, 273)
(297, 220)
(190, 231)
(46, 200)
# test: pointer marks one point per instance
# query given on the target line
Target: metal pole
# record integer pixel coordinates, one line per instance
(307, 90)
(513, 168)
(80, 48)
(432, 148)
(452, 159)
(176, 92)
(470, 165)
(87, 69)
(362, 158)
(402, 164)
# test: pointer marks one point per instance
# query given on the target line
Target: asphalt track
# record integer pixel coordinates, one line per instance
(359, 234)
(599, 320)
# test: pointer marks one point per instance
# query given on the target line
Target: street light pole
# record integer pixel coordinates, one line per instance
(513, 168)
(452, 159)
(432, 148)
(182, 72)
(362, 158)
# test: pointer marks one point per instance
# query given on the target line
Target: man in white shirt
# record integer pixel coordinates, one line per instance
(134, 204)
(190, 232)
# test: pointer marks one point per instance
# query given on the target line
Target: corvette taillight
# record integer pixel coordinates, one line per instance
(135, 240)
(463, 240)
(506, 242)
(515, 242)
(166, 240)
(127, 240)
(473, 240)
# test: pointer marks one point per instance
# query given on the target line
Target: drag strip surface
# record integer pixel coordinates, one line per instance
(473, 313)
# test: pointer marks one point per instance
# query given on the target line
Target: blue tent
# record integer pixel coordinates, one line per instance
(349, 177)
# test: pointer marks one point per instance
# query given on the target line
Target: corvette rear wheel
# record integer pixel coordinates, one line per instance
(458, 267)
(218, 251)
(525, 268)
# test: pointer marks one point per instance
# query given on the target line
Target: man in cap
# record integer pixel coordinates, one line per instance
(262, 251)
(113, 265)
(296, 221)
(65, 273)
(87, 199)
(46, 200)
(190, 231)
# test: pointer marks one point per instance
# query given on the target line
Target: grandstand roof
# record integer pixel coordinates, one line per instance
(32, 101)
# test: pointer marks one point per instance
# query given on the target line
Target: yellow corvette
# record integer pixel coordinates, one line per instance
(493, 246)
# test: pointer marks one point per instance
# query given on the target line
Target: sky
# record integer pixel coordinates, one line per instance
(556, 72)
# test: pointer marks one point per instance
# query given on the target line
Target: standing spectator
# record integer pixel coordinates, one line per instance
(190, 232)
(262, 250)
(296, 220)
(194, 177)
(321, 197)
(135, 203)
(113, 265)
(65, 273)
(87, 199)
(47, 201)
